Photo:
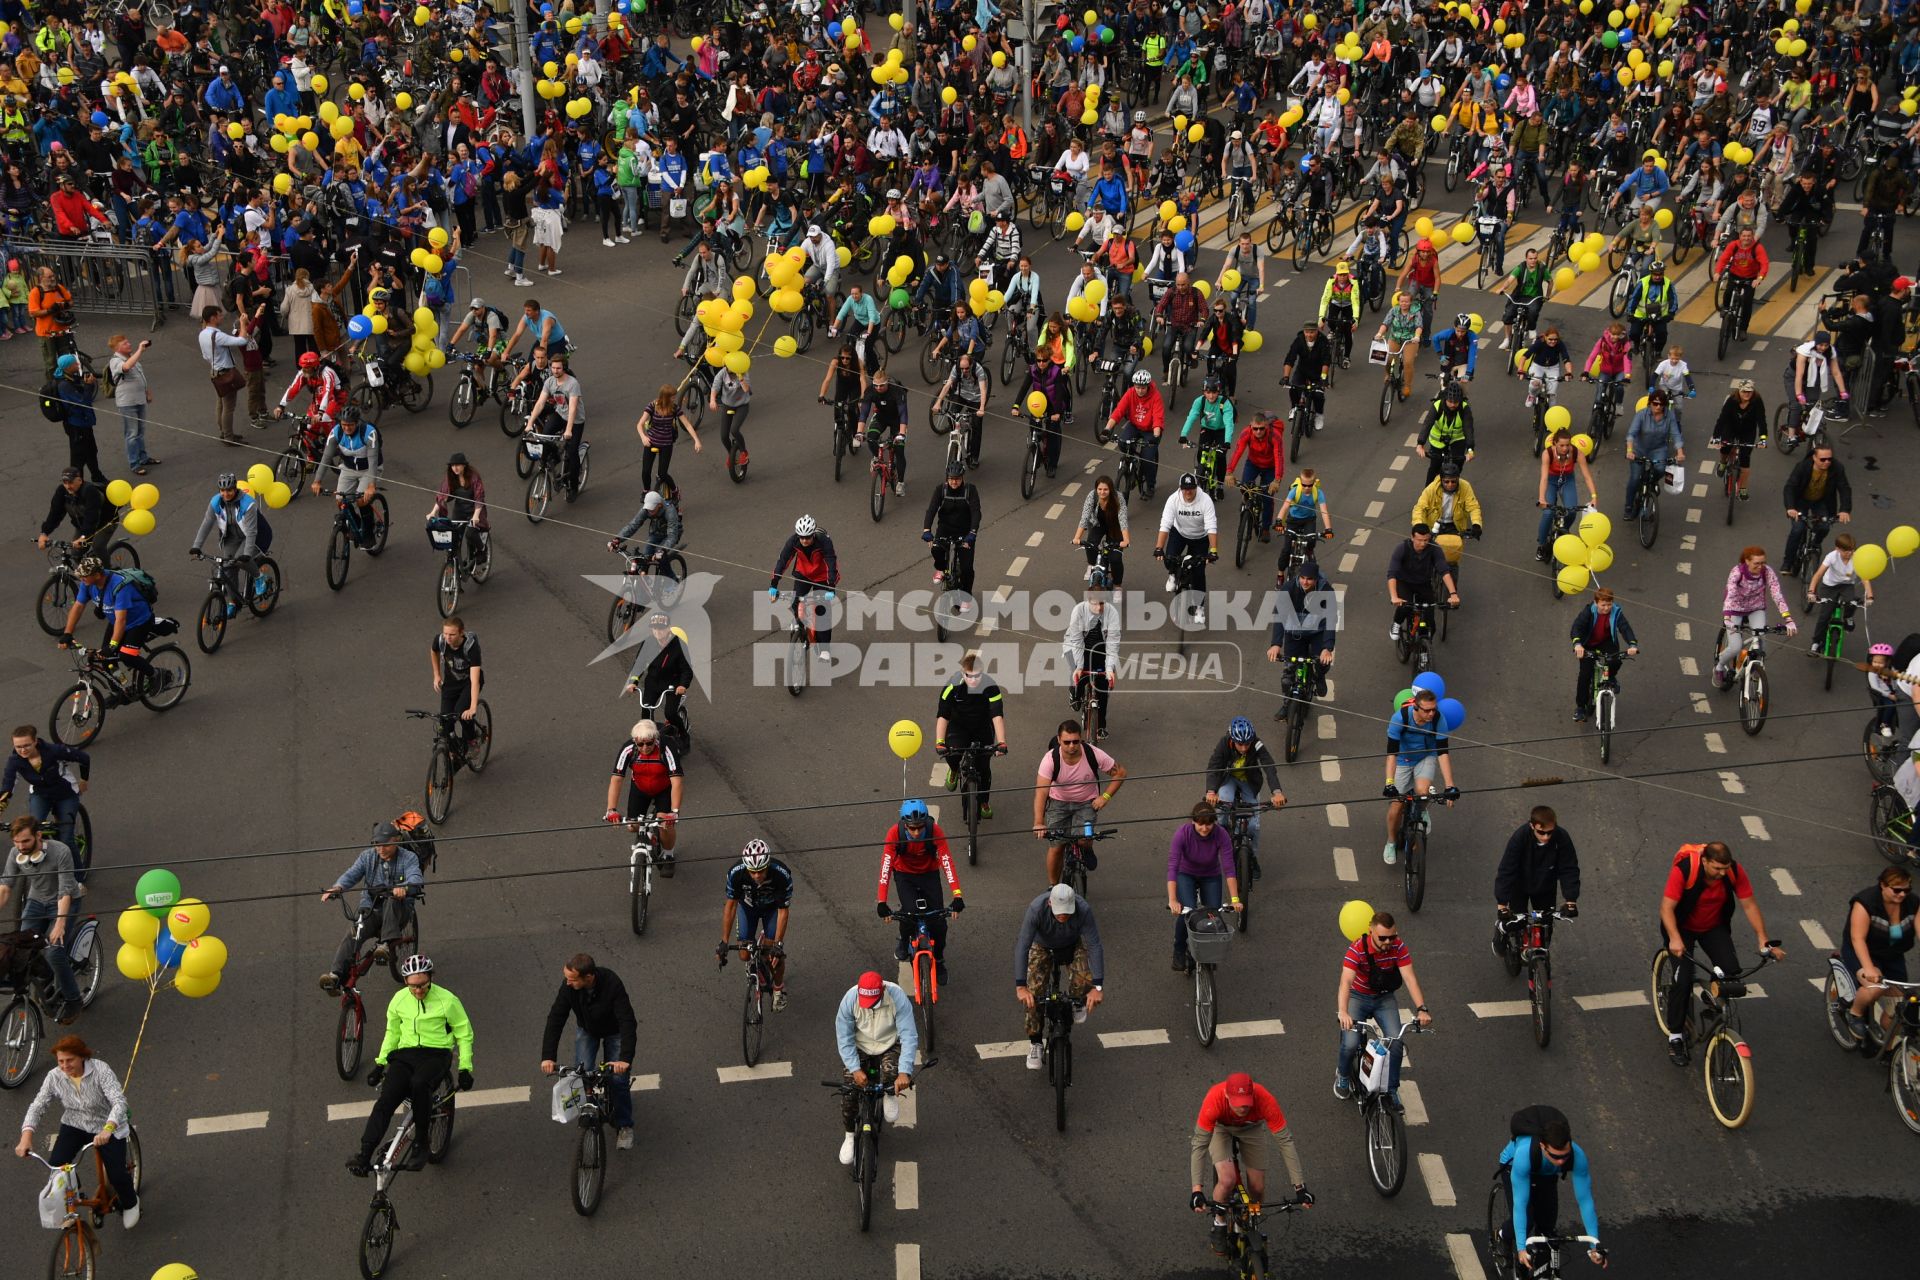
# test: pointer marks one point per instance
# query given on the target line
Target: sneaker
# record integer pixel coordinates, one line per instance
(1079, 1014)
(1743, 495)
(900, 949)
(666, 864)
(1677, 1050)
(232, 610)
(846, 1149)
(822, 655)
(890, 1108)
(623, 239)
(1720, 676)
(779, 1001)
(1393, 1100)
(1098, 737)
(507, 272)
(65, 1011)
(1579, 714)
(380, 954)
(899, 488)
(1033, 1057)
(1180, 962)
(1389, 854)
(1505, 343)
(605, 243)
(1393, 632)
(523, 282)
(1169, 582)
(1540, 553)
(358, 1165)
(1319, 685)
(1342, 1088)
(1217, 1237)
(986, 810)
(940, 972)
(1319, 423)
(1199, 615)
(1857, 1025)
(130, 1218)
(330, 983)
(553, 271)
(953, 779)
(625, 1141)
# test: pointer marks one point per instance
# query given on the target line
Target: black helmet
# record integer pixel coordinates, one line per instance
(1454, 393)
(227, 480)
(1449, 470)
(1212, 383)
(955, 470)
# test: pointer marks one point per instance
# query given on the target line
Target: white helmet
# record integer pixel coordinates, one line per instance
(755, 857)
(805, 527)
(1141, 378)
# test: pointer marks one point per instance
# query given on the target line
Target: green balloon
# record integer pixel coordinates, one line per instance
(158, 889)
(899, 300)
(1106, 35)
(1611, 40)
(1402, 698)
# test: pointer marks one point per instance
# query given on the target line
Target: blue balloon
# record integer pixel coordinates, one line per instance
(1453, 713)
(1504, 83)
(168, 951)
(1184, 242)
(355, 8)
(1626, 35)
(100, 118)
(1077, 44)
(1433, 681)
(360, 327)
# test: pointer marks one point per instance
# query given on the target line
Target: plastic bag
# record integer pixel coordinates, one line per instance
(567, 1096)
(53, 1199)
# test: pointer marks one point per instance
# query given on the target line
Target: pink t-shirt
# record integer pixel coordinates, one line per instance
(1076, 784)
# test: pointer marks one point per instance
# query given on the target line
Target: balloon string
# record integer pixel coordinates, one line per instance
(153, 990)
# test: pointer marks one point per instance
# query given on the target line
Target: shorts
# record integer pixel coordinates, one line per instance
(1893, 967)
(761, 920)
(1404, 773)
(640, 804)
(353, 483)
(1067, 815)
(1256, 1147)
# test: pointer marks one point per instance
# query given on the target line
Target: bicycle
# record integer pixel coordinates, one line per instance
(1246, 1242)
(1078, 856)
(263, 593)
(1314, 236)
(518, 398)
(1801, 256)
(802, 637)
(882, 470)
(1500, 1246)
(1238, 819)
(78, 1244)
(1646, 501)
(1298, 682)
(344, 538)
(1803, 565)
(80, 713)
(463, 562)
(1750, 672)
(58, 591)
(968, 780)
(1133, 468)
(35, 994)
(1209, 464)
(306, 442)
(1036, 450)
(1727, 470)
(1562, 521)
(477, 382)
(383, 1222)
(1735, 312)
(1727, 1063)
(1882, 749)
(1248, 524)
(350, 1031)
(1832, 633)
(376, 394)
(1606, 408)
(1890, 823)
(1384, 1126)
(846, 427)
(648, 582)
(549, 459)
(1209, 935)
(869, 1120)
(1393, 387)
(1017, 354)
(643, 855)
(1898, 1042)
(587, 1178)
(451, 749)
(1414, 831)
(760, 955)
(1240, 203)
(1491, 253)
(1526, 939)
(926, 971)
(1415, 644)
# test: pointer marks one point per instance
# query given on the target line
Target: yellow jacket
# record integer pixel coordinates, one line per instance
(1466, 507)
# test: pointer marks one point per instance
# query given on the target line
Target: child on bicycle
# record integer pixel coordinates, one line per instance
(1882, 689)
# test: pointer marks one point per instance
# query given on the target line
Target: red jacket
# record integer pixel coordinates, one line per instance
(1267, 454)
(1144, 411)
(915, 857)
(73, 212)
(1747, 266)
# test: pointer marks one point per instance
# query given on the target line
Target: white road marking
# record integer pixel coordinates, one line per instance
(1344, 867)
(906, 1185)
(1681, 599)
(1071, 490)
(226, 1124)
(1466, 1258)
(1386, 485)
(1746, 364)
(1731, 784)
(938, 779)
(1399, 462)
(906, 1262)
(1693, 515)
(1700, 703)
(1690, 668)
(1684, 567)
(1359, 538)
(1035, 538)
(1715, 744)
(1433, 1171)
(1700, 490)
(1327, 727)
(1243, 1030)
(1054, 511)
(1756, 829)
(1001, 594)
(1416, 1105)
(1133, 1039)
(1413, 438)
(1501, 1009)
(1375, 510)
(933, 810)
(765, 1071)
(1336, 815)
(1816, 936)
(1683, 631)
(1349, 562)
(649, 1083)
(1706, 468)
(1819, 984)
(1018, 567)
(1688, 543)
(1330, 770)
(1093, 465)
(1783, 881)
(1002, 1049)
(1760, 344)
(472, 1098)
(1612, 1000)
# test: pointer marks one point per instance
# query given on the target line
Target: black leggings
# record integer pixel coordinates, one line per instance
(609, 216)
(412, 1074)
(1718, 944)
(665, 455)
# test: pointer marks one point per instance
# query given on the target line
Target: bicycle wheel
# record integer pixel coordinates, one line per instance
(400, 948)
(925, 995)
(1753, 699)
(1243, 875)
(417, 393)
(19, 1039)
(263, 592)
(448, 594)
(1062, 1072)
(1205, 1012)
(347, 1040)
(77, 716)
(869, 1160)
(339, 553)
(1882, 751)
(376, 1240)
(1726, 334)
(212, 625)
(1413, 853)
(753, 1023)
(439, 792)
(796, 660)
(1243, 536)
(589, 1169)
(1603, 722)
(482, 745)
(1500, 1251)
(461, 407)
(1885, 810)
(1665, 971)
(1540, 999)
(539, 494)
(639, 893)
(1302, 248)
(172, 673)
(893, 330)
(1296, 729)
(1030, 470)
(1903, 1080)
(1836, 1010)
(73, 1252)
(439, 1134)
(1389, 396)
(802, 331)
(56, 598)
(1728, 1067)
(877, 494)
(970, 813)
(1386, 1147)
(1650, 517)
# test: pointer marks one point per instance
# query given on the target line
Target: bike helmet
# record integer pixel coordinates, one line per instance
(1880, 651)
(377, 295)
(1139, 117)
(955, 470)
(1657, 267)
(1212, 384)
(893, 193)
(310, 360)
(1463, 321)
(1342, 268)
(1425, 246)
(1453, 394)
(754, 855)
(227, 480)
(805, 527)
(1141, 378)
(913, 811)
(415, 964)
(87, 567)
(1240, 729)
(1449, 470)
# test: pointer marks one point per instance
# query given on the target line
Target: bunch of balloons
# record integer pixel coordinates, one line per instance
(892, 71)
(165, 933)
(426, 356)
(1583, 554)
(261, 484)
(1453, 712)
(1086, 307)
(1871, 560)
(722, 322)
(142, 498)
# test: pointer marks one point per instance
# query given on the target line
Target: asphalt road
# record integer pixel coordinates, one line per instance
(259, 788)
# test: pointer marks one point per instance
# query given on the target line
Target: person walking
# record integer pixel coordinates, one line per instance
(131, 396)
(218, 350)
(76, 389)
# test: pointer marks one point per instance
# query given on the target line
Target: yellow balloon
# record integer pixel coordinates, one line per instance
(728, 342)
(434, 264)
(1251, 341)
(1595, 528)
(437, 237)
(144, 497)
(176, 1271)
(1076, 220)
(310, 140)
(1903, 541)
(1423, 228)
(1665, 69)
(279, 494)
(1203, 287)
(1564, 278)
(137, 963)
(1082, 310)
(784, 346)
(1356, 915)
(280, 145)
(138, 523)
(969, 43)
(895, 21)
(881, 224)
(403, 100)
(356, 91)
(1584, 443)
(138, 927)
(999, 59)
(1462, 232)
(1559, 418)
(844, 254)
(415, 364)
(196, 988)
(261, 474)
(436, 359)
(1439, 124)
(1600, 558)
(743, 288)
(1196, 132)
(1569, 550)
(1230, 280)
(1146, 346)
(329, 111)
(738, 362)
(949, 95)
(118, 492)
(282, 183)
(1177, 223)
(715, 356)
(1663, 218)
(1573, 579)
(236, 131)
(1309, 20)
(379, 324)
(319, 84)
(1589, 262)
(904, 738)
(187, 919)
(1169, 211)
(341, 129)
(1036, 403)
(204, 957)
(1870, 562)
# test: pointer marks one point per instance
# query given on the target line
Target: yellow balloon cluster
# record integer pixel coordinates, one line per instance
(1585, 553)
(170, 938)
(139, 521)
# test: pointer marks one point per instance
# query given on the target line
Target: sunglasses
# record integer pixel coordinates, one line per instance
(1069, 742)
(1898, 893)
(1386, 937)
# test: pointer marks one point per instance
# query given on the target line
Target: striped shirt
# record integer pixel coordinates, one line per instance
(86, 1104)
(1394, 956)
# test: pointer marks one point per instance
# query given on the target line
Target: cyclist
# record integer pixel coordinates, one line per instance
(1141, 416)
(1539, 855)
(1562, 467)
(319, 380)
(1447, 431)
(960, 333)
(1611, 359)
(1874, 945)
(940, 286)
(1339, 304)
(967, 385)
(1497, 200)
(1817, 488)
(732, 393)
(1458, 349)
(93, 1110)
(659, 519)
(1022, 297)
(875, 1033)
(125, 604)
(605, 1029)
(462, 495)
(1448, 505)
(1210, 421)
(1103, 520)
(1741, 427)
(1541, 1154)
(1305, 627)
(1067, 792)
(655, 785)
(51, 896)
(1239, 1109)
(1246, 258)
(1527, 288)
(1183, 310)
(1744, 263)
(1696, 909)
(1888, 189)
(1224, 334)
(883, 413)
(1400, 329)
(1423, 271)
(815, 568)
(1416, 751)
(1749, 584)
(425, 1023)
(1199, 865)
(542, 328)
(707, 275)
(1643, 187)
(1745, 213)
(1091, 647)
(1372, 970)
(1058, 930)
(1417, 564)
(1653, 306)
(488, 325)
(82, 502)
(352, 444)
(661, 676)
(1187, 518)
(1640, 240)
(1295, 515)
(915, 857)
(1815, 371)
(865, 317)
(1234, 772)
(953, 520)
(759, 898)
(386, 863)
(1265, 452)
(454, 657)
(972, 713)
(1599, 629)
(1308, 366)
(1652, 438)
(56, 777)
(1549, 358)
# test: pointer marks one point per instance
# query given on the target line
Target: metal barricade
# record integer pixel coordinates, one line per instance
(105, 278)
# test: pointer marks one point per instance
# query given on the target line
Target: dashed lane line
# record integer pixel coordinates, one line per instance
(906, 1262)
(1375, 510)
(1336, 815)
(1715, 743)
(1700, 704)
(1433, 1171)
(1330, 769)
(1344, 867)
(1349, 562)
(1018, 567)
(1612, 1000)
(1415, 1104)
(1466, 1257)
(1002, 1049)
(1681, 600)
(1386, 485)
(1247, 1030)
(1328, 728)
(1035, 538)
(1683, 631)
(235, 1123)
(1783, 881)
(1501, 1009)
(1756, 829)
(1690, 667)
(1684, 568)
(765, 1071)
(906, 1185)
(472, 1098)
(1071, 490)
(1731, 784)
(1693, 515)
(1816, 935)
(1054, 511)
(1399, 462)
(1700, 490)
(1133, 1039)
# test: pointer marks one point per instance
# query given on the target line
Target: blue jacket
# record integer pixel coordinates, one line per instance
(1523, 1165)
(77, 399)
(843, 1027)
(376, 872)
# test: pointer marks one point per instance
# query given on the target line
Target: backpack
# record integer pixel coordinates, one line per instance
(1533, 1122)
(416, 833)
(142, 581)
(52, 407)
(1053, 745)
(1380, 980)
(434, 292)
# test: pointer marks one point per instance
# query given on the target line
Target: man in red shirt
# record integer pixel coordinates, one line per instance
(73, 212)
(915, 856)
(652, 773)
(1141, 417)
(1744, 261)
(1697, 908)
(1266, 466)
(1237, 1108)
(1372, 972)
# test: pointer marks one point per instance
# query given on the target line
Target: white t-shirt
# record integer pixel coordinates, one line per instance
(1836, 572)
(1196, 519)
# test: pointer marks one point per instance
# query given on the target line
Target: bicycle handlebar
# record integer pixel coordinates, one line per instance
(1083, 834)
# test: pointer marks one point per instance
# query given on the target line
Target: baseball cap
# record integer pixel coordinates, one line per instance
(1239, 1089)
(872, 987)
(1060, 900)
(1903, 282)
(652, 502)
(385, 833)
(1189, 481)
(1742, 384)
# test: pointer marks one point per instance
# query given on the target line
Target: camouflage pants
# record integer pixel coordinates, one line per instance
(1040, 963)
(884, 1066)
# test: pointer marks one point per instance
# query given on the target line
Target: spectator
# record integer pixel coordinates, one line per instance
(50, 303)
(217, 349)
(131, 396)
(297, 306)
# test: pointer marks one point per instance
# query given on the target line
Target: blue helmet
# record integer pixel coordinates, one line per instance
(914, 811)
(1241, 730)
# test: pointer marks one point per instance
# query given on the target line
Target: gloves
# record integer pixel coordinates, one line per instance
(466, 1081)
(773, 593)
(970, 538)
(375, 1076)
(881, 909)
(1303, 1198)
(999, 748)
(926, 535)
(958, 904)
(1503, 911)
(1212, 556)
(1537, 1256)
(1451, 793)
(1198, 1200)
(1390, 791)
(1473, 531)
(612, 815)
(1158, 552)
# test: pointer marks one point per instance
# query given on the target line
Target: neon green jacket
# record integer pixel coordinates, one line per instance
(436, 1022)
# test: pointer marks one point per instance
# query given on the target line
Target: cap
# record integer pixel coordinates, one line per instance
(385, 833)
(1742, 384)
(457, 460)
(1239, 1089)
(1902, 282)
(1189, 481)
(652, 502)
(872, 987)
(1820, 339)
(225, 70)
(65, 363)
(1060, 900)
(71, 473)
(476, 303)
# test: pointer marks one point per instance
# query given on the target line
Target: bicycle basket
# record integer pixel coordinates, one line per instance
(441, 538)
(18, 950)
(1208, 936)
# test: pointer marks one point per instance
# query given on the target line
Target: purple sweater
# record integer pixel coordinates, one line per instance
(1194, 855)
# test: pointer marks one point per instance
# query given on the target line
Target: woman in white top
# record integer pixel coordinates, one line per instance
(296, 311)
(93, 1112)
